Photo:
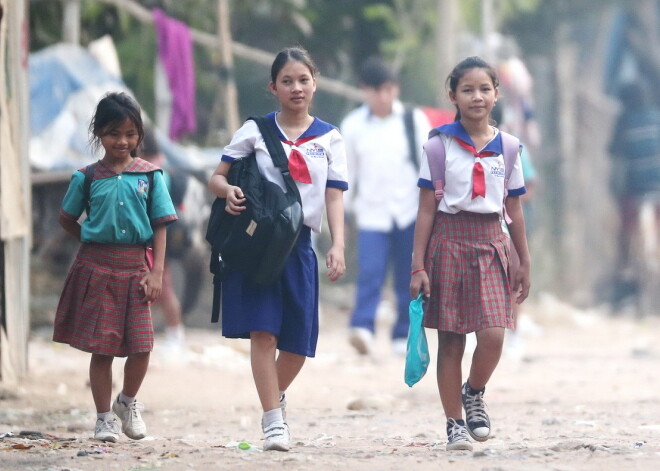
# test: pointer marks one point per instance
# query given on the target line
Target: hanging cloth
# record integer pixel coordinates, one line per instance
(175, 53)
(478, 176)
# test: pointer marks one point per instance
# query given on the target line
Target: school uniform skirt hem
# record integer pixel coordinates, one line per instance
(467, 260)
(101, 309)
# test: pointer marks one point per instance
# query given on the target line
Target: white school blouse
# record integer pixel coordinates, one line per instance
(382, 176)
(324, 155)
(458, 174)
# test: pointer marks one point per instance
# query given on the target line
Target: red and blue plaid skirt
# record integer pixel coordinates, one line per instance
(467, 259)
(101, 309)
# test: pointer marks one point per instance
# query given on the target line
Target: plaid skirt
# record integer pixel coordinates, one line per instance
(101, 308)
(467, 259)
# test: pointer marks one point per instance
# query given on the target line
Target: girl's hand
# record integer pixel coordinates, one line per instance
(419, 283)
(235, 201)
(521, 283)
(334, 261)
(152, 285)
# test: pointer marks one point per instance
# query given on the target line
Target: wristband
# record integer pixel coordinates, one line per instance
(417, 271)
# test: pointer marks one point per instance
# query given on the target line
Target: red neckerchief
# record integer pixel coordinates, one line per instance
(478, 177)
(297, 165)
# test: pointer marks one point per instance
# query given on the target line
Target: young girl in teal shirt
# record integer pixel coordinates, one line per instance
(104, 306)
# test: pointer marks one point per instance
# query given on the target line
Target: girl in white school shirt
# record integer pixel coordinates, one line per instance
(284, 316)
(461, 254)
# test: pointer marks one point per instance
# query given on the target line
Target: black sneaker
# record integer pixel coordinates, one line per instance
(478, 423)
(457, 436)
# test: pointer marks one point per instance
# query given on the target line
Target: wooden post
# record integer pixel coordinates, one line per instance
(71, 22)
(227, 66)
(445, 39)
(568, 219)
(14, 192)
(488, 28)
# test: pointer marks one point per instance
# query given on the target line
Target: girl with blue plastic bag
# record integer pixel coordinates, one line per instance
(461, 253)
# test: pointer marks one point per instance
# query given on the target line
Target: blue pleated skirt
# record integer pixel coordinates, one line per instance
(289, 308)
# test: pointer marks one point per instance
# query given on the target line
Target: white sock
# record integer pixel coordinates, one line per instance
(175, 333)
(125, 399)
(103, 415)
(271, 416)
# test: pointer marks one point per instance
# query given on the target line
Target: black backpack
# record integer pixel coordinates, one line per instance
(257, 242)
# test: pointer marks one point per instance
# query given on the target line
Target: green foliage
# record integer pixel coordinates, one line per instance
(506, 10)
(339, 34)
(534, 28)
(44, 31)
(137, 47)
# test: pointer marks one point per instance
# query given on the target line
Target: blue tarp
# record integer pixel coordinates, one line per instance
(66, 83)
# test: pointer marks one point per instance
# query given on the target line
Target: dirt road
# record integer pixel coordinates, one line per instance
(584, 395)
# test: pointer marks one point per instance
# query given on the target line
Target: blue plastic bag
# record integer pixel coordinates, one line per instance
(417, 352)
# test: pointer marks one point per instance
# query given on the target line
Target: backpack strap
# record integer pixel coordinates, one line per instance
(409, 124)
(217, 285)
(436, 156)
(150, 179)
(511, 147)
(87, 184)
(268, 131)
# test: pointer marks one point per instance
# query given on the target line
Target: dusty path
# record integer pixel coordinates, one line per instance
(585, 396)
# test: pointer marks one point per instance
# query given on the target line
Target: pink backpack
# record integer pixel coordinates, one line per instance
(436, 155)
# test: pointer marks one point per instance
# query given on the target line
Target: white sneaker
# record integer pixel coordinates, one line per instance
(131, 419)
(458, 437)
(277, 437)
(361, 339)
(107, 430)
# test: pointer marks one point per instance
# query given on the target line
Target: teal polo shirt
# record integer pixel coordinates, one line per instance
(118, 204)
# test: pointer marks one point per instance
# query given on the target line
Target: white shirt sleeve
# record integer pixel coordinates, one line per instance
(242, 142)
(337, 165)
(517, 181)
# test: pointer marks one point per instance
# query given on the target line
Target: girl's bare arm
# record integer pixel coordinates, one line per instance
(419, 281)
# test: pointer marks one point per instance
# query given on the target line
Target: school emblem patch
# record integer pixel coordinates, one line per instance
(315, 151)
(498, 170)
(142, 186)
